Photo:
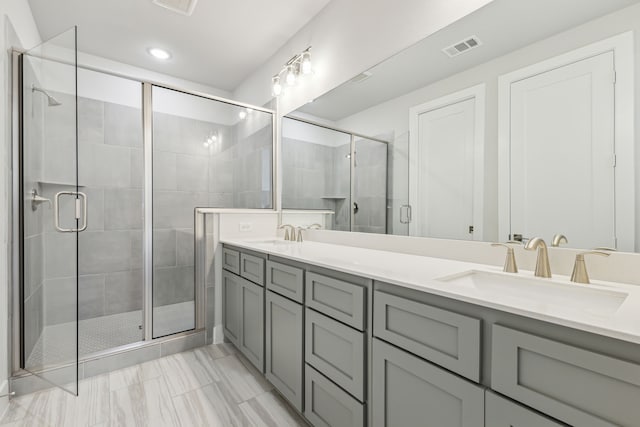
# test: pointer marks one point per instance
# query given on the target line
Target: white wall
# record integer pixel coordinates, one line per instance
(17, 29)
(349, 36)
(393, 116)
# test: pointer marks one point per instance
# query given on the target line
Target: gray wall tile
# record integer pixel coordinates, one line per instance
(91, 296)
(122, 125)
(123, 209)
(123, 291)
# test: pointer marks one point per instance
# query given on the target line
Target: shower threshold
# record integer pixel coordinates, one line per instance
(56, 344)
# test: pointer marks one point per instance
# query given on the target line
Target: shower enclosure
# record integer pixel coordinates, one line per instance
(111, 170)
(330, 169)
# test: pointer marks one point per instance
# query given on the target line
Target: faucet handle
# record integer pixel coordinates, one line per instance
(579, 274)
(510, 261)
(299, 238)
(558, 239)
(314, 226)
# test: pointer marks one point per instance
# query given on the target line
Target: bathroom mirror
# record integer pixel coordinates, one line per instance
(516, 121)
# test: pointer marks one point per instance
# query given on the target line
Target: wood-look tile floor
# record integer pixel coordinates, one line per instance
(208, 386)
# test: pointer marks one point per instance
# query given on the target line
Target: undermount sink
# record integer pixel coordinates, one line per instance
(539, 293)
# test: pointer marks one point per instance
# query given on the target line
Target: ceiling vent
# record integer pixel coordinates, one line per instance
(183, 7)
(462, 46)
(361, 77)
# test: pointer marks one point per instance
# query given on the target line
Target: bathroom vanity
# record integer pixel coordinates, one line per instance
(359, 337)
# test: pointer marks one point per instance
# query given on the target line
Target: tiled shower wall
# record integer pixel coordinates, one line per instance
(318, 176)
(110, 249)
(370, 190)
(234, 172)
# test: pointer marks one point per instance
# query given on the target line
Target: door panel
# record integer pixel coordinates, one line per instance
(50, 225)
(445, 171)
(562, 154)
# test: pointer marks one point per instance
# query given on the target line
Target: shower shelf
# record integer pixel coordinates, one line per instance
(334, 197)
(64, 184)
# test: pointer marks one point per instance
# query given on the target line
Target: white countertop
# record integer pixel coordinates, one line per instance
(423, 274)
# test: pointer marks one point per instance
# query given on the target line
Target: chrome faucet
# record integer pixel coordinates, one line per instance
(542, 264)
(579, 274)
(288, 235)
(557, 239)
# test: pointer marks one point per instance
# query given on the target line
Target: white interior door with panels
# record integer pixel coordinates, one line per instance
(446, 176)
(559, 150)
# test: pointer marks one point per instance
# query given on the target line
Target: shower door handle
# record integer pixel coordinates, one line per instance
(80, 210)
(407, 209)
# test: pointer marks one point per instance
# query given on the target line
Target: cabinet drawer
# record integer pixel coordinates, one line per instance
(574, 385)
(231, 260)
(327, 405)
(341, 300)
(285, 280)
(285, 347)
(448, 339)
(337, 351)
(252, 268)
(501, 412)
(409, 391)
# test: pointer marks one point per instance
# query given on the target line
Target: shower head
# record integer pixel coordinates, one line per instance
(51, 101)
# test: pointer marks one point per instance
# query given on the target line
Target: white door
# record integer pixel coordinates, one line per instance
(445, 154)
(562, 153)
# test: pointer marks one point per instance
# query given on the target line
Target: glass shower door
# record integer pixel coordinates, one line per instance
(369, 192)
(53, 212)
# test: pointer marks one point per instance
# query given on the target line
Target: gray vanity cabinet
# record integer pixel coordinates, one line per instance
(284, 347)
(231, 312)
(501, 412)
(409, 391)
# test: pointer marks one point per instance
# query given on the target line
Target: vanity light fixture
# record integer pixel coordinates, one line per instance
(276, 87)
(295, 67)
(158, 53)
(210, 140)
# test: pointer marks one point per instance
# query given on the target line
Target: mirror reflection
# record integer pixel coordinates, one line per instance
(514, 122)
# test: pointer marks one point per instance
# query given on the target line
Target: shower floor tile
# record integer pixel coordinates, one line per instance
(147, 394)
(56, 344)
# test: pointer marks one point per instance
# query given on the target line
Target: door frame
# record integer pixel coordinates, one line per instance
(477, 93)
(622, 47)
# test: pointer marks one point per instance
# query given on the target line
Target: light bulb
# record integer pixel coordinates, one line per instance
(206, 144)
(291, 76)
(276, 87)
(159, 53)
(213, 138)
(306, 62)
(242, 114)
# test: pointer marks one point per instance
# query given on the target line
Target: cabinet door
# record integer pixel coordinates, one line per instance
(252, 326)
(231, 319)
(408, 391)
(501, 412)
(284, 345)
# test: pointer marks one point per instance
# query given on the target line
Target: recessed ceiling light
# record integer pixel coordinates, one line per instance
(159, 53)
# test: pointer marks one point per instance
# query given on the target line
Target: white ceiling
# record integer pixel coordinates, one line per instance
(220, 45)
(503, 26)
